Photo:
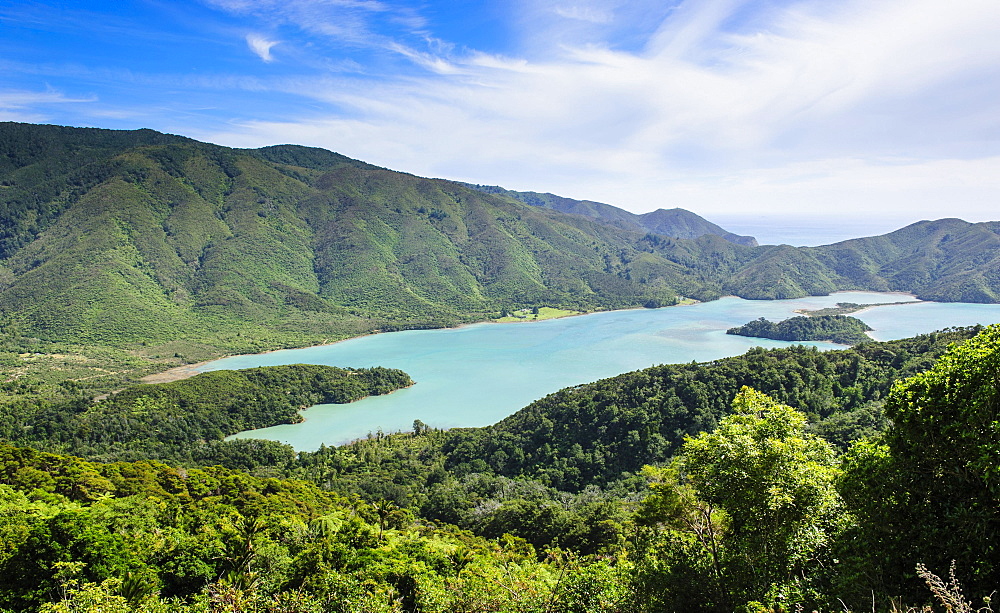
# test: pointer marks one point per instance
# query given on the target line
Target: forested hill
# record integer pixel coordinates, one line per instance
(183, 421)
(835, 328)
(136, 239)
(948, 260)
(597, 432)
(676, 222)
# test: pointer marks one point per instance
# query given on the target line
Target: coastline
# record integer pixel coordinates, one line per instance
(303, 419)
(187, 371)
(865, 307)
(177, 373)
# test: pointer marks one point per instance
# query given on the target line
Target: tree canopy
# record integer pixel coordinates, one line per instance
(928, 489)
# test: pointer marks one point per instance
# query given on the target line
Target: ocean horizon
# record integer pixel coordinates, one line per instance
(806, 231)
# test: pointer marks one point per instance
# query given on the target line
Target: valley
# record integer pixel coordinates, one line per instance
(175, 249)
(558, 463)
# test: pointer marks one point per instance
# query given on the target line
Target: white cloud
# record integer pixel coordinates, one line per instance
(584, 12)
(344, 20)
(261, 46)
(22, 105)
(794, 108)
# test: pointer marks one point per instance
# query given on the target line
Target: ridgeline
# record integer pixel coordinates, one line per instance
(165, 245)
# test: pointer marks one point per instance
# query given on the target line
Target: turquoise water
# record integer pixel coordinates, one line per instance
(476, 375)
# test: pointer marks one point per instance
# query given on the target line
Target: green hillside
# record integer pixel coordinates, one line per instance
(675, 223)
(116, 240)
(948, 260)
(187, 420)
(170, 247)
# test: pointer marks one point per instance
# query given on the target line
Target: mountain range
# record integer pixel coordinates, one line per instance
(138, 237)
(676, 222)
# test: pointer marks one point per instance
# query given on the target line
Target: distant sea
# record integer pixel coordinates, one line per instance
(806, 231)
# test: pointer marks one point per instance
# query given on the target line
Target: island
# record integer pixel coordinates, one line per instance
(845, 308)
(840, 329)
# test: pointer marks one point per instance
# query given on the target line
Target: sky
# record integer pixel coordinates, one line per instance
(886, 111)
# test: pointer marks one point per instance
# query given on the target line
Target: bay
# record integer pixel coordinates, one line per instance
(478, 374)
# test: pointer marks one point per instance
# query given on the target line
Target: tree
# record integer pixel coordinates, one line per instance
(680, 567)
(775, 484)
(928, 490)
(419, 427)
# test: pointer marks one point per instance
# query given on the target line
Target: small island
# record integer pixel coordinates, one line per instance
(834, 328)
(845, 308)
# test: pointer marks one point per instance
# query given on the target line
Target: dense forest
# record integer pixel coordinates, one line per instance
(841, 329)
(143, 536)
(676, 488)
(187, 420)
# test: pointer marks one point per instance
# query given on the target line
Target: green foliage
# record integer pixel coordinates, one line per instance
(747, 513)
(185, 421)
(927, 490)
(138, 239)
(409, 471)
(835, 328)
(681, 546)
(164, 539)
(775, 484)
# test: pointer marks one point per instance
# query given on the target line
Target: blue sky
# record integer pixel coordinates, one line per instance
(869, 108)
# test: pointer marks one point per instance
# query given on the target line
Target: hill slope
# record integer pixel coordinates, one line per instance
(109, 237)
(675, 223)
(138, 238)
(948, 260)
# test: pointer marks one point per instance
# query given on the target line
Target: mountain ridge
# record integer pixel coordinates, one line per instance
(136, 238)
(675, 222)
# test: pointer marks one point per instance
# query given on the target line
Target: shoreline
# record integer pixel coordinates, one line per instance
(187, 371)
(300, 412)
(178, 373)
(865, 307)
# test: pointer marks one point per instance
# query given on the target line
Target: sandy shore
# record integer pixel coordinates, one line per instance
(174, 374)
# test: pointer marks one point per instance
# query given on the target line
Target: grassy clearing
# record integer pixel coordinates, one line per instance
(532, 315)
